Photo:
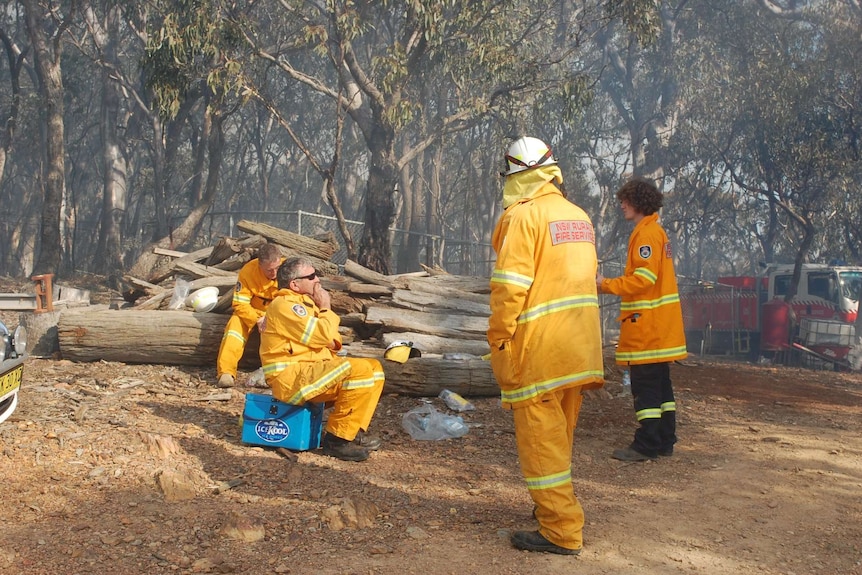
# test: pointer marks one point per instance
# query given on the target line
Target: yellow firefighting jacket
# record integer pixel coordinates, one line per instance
(544, 326)
(295, 348)
(651, 329)
(252, 293)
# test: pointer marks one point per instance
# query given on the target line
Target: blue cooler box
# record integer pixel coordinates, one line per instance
(269, 422)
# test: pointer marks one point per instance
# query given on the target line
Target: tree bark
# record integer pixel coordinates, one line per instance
(15, 61)
(130, 336)
(375, 252)
(186, 338)
(150, 265)
(109, 254)
(306, 245)
(47, 52)
(443, 323)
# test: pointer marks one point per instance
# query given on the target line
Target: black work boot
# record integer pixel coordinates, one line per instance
(631, 454)
(343, 449)
(369, 442)
(535, 541)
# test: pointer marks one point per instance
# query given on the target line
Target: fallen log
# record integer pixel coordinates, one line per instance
(443, 323)
(471, 284)
(287, 239)
(421, 377)
(135, 336)
(420, 301)
(420, 285)
(360, 288)
(144, 286)
(361, 272)
(199, 270)
(186, 338)
(232, 253)
(441, 345)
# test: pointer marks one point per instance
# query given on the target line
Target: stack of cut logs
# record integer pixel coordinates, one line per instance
(445, 316)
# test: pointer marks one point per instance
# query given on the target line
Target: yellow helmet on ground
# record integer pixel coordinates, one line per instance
(401, 351)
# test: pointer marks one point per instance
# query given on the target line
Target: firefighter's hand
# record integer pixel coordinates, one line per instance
(320, 297)
(599, 279)
(261, 324)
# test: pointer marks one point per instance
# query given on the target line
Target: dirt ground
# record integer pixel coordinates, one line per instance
(113, 468)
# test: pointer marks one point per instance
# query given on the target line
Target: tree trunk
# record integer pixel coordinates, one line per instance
(47, 59)
(15, 60)
(109, 254)
(410, 218)
(165, 337)
(433, 250)
(149, 264)
(375, 253)
(185, 338)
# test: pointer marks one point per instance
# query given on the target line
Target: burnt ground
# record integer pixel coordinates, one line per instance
(139, 469)
(766, 479)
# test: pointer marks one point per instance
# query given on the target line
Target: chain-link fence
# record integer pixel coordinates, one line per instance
(455, 256)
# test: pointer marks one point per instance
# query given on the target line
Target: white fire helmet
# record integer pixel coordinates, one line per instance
(204, 300)
(525, 153)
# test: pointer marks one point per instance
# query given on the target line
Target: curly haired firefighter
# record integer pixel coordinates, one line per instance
(651, 329)
(544, 335)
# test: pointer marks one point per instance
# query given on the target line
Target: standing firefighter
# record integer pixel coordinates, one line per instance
(651, 330)
(544, 335)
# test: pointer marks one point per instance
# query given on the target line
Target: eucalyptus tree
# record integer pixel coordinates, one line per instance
(46, 24)
(15, 60)
(639, 58)
(20, 193)
(187, 87)
(373, 60)
(640, 72)
(773, 123)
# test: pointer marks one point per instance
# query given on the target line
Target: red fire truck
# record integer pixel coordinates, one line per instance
(748, 315)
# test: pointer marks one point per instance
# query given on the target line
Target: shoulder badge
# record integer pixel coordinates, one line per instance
(300, 310)
(645, 252)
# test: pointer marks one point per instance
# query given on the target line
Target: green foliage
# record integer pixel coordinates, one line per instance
(192, 41)
(641, 18)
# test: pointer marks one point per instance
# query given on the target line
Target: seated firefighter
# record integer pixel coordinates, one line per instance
(298, 344)
(255, 287)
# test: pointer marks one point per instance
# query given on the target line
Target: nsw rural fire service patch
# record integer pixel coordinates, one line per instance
(300, 310)
(645, 252)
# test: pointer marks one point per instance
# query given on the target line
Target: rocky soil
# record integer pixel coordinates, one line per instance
(115, 468)
(139, 469)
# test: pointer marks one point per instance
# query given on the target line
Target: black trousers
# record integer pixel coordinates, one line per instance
(655, 408)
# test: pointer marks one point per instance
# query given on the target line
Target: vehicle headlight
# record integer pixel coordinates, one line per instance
(19, 340)
(6, 346)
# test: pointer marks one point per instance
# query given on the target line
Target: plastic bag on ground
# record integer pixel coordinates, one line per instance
(181, 292)
(426, 423)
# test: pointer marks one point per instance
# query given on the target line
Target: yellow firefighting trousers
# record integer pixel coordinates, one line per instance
(544, 432)
(232, 345)
(353, 399)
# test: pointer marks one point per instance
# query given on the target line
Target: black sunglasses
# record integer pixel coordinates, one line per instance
(310, 276)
